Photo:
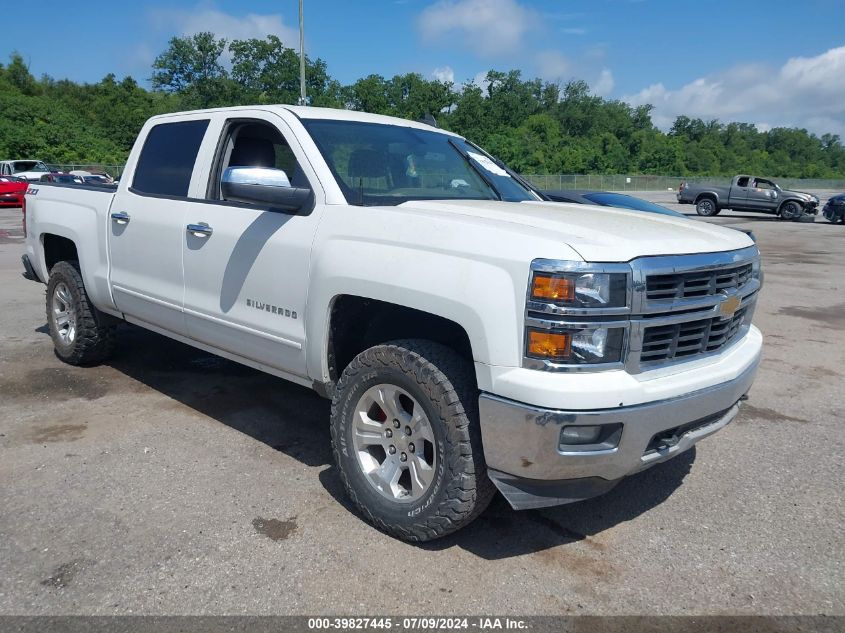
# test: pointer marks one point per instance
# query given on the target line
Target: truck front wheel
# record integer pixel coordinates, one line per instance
(79, 335)
(791, 210)
(706, 207)
(407, 442)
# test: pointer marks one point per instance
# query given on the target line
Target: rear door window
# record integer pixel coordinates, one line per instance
(167, 158)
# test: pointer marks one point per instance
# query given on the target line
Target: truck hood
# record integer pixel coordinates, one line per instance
(800, 194)
(597, 234)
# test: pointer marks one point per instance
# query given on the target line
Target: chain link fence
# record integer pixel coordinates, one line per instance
(600, 182)
(613, 182)
(114, 171)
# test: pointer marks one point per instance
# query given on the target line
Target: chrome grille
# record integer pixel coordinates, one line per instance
(678, 341)
(674, 313)
(696, 284)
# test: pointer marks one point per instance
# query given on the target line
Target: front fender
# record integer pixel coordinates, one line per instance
(477, 278)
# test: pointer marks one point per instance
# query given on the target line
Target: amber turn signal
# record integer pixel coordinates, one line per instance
(550, 345)
(551, 288)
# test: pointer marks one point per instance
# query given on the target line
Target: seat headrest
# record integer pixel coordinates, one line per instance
(253, 152)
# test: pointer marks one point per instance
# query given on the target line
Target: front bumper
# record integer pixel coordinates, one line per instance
(523, 451)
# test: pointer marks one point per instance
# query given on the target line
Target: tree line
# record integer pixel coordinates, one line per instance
(533, 125)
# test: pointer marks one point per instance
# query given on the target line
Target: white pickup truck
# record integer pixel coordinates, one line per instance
(471, 335)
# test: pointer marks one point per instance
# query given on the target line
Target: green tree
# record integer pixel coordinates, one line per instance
(192, 67)
(268, 71)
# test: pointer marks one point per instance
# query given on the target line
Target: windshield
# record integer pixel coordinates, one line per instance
(29, 165)
(628, 202)
(377, 164)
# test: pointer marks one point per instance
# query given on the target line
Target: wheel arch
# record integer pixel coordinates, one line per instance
(712, 195)
(57, 248)
(357, 322)
(786, 201)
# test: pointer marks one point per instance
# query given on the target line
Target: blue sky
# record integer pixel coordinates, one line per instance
(775, 62)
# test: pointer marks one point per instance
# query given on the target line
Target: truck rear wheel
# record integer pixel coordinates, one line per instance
(79, 336)
(706, 207)
(407, 442)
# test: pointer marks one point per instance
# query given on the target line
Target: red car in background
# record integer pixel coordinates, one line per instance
(12, 191)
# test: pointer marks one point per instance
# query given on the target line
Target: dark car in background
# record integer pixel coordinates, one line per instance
(834, 210)
(96, 179)
(12, 190)
(608, 199)
(62, 178)
(619, 200)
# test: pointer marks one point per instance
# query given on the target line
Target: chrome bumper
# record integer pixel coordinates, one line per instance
(522, 442)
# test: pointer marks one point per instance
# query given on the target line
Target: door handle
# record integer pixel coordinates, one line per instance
(120, 217)
(200, 229)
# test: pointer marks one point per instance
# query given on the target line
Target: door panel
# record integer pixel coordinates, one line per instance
(146, 229)
(246, 282)
(761, 198)
(146, 259)
(739, 194)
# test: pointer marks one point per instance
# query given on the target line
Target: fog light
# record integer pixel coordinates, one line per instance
(589, 438)
(580, 435)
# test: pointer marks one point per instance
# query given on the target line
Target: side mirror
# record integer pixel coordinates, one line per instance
(263, 185)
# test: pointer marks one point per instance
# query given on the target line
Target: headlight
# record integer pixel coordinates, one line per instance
(575, 345)
(580, 290)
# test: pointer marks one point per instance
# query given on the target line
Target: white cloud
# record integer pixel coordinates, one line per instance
(445, 74)
(805, 92)
(140, 55)
(553, 66)
(489, 28)
(480, 80)
(205, 17)
(603, 86)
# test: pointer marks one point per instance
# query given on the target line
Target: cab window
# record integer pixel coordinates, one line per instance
(255, 144)
(167, 158)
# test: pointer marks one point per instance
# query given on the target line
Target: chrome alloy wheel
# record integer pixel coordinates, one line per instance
(64, 314)
(394, 443)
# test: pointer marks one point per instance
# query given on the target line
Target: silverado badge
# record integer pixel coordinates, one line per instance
(729, 306)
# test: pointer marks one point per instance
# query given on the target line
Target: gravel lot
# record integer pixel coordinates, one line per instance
(172, 482)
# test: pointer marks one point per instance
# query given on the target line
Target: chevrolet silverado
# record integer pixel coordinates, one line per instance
(471, 336)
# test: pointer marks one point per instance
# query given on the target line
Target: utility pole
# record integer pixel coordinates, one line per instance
(301, 56)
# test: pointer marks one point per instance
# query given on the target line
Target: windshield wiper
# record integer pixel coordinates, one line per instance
(465, 155)
(501, 165)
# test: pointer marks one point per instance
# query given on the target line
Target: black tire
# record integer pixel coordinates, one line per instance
(706, 207)
(791, 210)
(444, 385)
(833, 218)
(93, 339)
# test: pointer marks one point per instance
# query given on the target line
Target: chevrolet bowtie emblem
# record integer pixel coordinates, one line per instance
(729, 306)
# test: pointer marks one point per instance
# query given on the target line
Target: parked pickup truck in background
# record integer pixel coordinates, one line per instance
(470, 335)
(748, 193)
(26, 169)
